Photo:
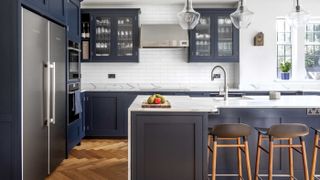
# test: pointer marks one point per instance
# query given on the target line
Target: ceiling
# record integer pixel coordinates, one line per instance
(151, 2)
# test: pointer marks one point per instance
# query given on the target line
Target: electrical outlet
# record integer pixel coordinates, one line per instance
(217, 76)
(313, 111)
(111, 76)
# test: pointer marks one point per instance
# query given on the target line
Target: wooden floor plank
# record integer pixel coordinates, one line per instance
(95, 159)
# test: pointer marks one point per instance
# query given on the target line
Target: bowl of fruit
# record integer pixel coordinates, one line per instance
(156, 101)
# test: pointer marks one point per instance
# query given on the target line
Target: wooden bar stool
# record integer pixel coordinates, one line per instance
(232, 132)
(287, 132)
(316, 147)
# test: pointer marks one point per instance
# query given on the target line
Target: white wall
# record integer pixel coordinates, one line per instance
(258, 64)
(156, 65)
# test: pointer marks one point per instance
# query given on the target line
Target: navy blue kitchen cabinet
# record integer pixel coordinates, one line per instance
(114, 34)
(73, 20)
(10, 91)
(167, 145)
(74, 134)
(57, 9)
(76, 128)
(103, 115)
(52, 9)
(36, 4)
(214, 39)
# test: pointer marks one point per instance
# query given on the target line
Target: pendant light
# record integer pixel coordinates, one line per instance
(297, 17)
(242, 17)
(188, 17)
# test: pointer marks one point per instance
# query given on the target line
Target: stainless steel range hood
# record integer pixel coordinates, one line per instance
(163, 36)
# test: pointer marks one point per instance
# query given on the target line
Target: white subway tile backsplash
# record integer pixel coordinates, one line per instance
(155, 66)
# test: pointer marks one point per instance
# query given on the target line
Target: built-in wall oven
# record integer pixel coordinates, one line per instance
(74, 102)
(74, 52)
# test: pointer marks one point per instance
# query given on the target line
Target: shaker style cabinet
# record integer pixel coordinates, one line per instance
(53, 9)
(110, 35)
(214, 39)
(103, 115)
(73, 20)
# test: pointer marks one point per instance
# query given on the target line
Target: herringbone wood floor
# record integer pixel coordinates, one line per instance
(95, 159)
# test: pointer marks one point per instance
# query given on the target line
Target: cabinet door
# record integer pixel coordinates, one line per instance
(73, 19)
(201, 40)
(102, 37)
(103, 115)
(168, 146)
(226, 42)
(36, 4)
(57, 9)
(126, 41)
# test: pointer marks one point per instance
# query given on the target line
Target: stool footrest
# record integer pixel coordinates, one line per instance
(227, 175)
(275, 175)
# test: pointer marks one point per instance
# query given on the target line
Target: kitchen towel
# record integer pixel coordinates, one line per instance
(77, 102)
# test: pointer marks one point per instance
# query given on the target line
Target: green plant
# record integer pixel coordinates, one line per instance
(285, 66)
(311, 60)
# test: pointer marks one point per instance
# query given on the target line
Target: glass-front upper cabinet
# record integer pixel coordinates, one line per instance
(113, 34)
(103, 31)
(214, 39)
(225, 35)
(124, 35)
(203, 37)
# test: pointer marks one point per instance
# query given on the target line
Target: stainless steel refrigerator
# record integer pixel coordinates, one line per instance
(43, 95)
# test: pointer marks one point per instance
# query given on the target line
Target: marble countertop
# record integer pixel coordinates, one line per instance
(200, 87)
(212, 104)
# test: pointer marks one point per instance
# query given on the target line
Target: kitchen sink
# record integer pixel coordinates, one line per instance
(233, 98)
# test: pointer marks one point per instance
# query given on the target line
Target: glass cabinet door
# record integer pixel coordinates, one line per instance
(102, 36)
(203, 37)
(225, 36)
(125, 41)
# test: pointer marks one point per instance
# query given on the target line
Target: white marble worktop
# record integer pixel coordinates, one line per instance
(196, 87)
(212, 104)
(178, 104)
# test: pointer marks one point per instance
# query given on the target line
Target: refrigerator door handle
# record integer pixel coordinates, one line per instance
(53, 105)
(48, 84)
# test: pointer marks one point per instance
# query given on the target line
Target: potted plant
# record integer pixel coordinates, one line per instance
(285, 68)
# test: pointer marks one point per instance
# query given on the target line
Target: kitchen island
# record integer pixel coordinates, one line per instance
(172, 143)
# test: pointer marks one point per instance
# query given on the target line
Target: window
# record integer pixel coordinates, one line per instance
(300, 47)
(284, 46)
(312, 51)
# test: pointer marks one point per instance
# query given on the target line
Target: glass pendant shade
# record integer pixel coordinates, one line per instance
(188, 17)
(298, 17)
(242, 17)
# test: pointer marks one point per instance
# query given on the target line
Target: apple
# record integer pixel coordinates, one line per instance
(157, 100)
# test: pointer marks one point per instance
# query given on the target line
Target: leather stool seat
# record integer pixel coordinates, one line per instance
(291, 130)
(231, 130)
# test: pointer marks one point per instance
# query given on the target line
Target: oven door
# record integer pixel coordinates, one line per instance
(74, 64)
(72, 114)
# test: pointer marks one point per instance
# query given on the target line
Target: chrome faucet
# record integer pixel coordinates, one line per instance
(225, 88)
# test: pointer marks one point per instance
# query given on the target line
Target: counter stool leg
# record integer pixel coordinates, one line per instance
(209, 149)
(314, 157)
(270, 157)
(258, 157)
(245, 139)
(304, 157)
(239, 159)
(291, 165)
(214, 158)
